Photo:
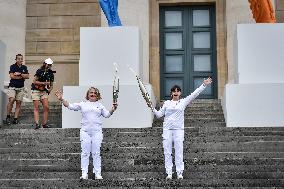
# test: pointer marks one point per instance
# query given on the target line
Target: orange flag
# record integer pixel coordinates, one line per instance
(262, 11)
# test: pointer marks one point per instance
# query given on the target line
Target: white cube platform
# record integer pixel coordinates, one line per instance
(100, 47)
(132, 110)
(260, 53)
(254, 105)
(256, 100)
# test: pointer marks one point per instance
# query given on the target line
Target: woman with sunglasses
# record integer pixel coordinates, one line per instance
(91, 134)
(173, 126)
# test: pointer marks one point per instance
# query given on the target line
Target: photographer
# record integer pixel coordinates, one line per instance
(41, 87)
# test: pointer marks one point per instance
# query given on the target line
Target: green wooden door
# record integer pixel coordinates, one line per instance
(187, 49)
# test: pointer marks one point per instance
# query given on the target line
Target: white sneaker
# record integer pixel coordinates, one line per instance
(169, 177)
(180, 177)
(84, 177)
(98, 177)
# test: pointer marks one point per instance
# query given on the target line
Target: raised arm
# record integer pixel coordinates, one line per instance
(59, 96)
(197, 91)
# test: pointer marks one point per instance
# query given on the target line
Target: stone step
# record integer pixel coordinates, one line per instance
(276, 146)
(197, 118)
(208, 108)
(141, 183)
(140, 143)
(137, 138)
(158, 160)
(143, 175)
(203, 112)
(189, 116)
(193, 157)
(30, 113)
(25, 126)
(153, 131)
(131, 165)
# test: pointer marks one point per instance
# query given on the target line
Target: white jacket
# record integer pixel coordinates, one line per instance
(174, 110)
(92, 113)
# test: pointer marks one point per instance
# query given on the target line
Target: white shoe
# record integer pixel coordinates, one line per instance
(98, 177)
(169, 177)
(180, 177)
(84, 177)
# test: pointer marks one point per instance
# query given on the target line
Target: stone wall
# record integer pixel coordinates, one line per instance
(53, 30)
(237, 12)
(279, 11)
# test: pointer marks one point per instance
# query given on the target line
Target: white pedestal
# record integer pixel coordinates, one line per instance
(260, 53)
(100, 47)
(132, 110)
(254, 105)
(257, 98)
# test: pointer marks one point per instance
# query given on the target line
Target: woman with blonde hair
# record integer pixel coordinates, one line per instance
(91, 134)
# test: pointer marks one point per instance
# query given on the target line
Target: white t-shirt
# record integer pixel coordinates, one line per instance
(92, 113)
(174, 110)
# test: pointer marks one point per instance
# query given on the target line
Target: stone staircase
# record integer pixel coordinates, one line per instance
(26, 117)
(215, 156)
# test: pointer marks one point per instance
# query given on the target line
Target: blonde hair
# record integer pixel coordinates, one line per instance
(96, 90)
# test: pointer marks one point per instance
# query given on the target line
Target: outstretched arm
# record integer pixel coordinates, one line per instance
(59, 95)
(197, 91)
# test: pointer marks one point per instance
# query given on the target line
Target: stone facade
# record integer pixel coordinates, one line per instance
(50, 28)
(53, 30)
(237, 12)
(279, 11)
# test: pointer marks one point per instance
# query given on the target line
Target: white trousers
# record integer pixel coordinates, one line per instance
(176, 137)
(91, 142)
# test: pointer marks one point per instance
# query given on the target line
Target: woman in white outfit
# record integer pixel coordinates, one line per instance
(91, 134)
(173, 126)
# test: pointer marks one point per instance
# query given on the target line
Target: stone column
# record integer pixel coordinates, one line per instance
(12, 30)
(237, 12)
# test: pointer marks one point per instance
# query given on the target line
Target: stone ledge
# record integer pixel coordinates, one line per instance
(59, 59)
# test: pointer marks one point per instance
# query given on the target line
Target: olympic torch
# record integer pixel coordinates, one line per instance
(143, 90)
(115, 87)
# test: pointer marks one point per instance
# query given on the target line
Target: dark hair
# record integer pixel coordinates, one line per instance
(18, 55)
(175, 87)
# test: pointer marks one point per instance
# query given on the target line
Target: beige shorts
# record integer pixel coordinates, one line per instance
(17, 93)
(39, 95)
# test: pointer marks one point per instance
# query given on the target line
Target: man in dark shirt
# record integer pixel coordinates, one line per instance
(41, 87)
(18, 73)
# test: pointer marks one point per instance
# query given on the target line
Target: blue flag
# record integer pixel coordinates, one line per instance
(109, 8)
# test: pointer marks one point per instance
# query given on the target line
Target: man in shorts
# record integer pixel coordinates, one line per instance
(18, 74)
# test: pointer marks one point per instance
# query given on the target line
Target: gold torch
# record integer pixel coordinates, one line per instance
(143, 90)
(115, 87)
